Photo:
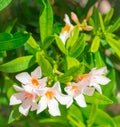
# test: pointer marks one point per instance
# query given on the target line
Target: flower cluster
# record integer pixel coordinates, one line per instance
(67, 30)
(34, 94)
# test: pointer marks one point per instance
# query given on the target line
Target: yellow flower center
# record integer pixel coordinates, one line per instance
(35, 82)
(75, 89)
(49, 94)
(66, 28)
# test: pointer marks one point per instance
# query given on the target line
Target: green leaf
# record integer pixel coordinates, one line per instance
(98, 59)
(95, 44)
(45, 64)
(115, 26)
(117, 120)
(8, 41)
(32, 45)
(4, 4)
(14, 115)
(48, 41)
(78, 47)
(73, 38)
(60, 45)
(71, 62)
(114, 43)
(46, 20)
(103, 119)
(108, 17)
(101, 22)
(18, 64)
(98, 99)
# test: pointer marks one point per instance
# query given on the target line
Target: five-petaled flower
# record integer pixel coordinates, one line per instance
(50, 98)
(67, 30)
(32, 82)
(95, 77)
(26, 99)
(76, 91)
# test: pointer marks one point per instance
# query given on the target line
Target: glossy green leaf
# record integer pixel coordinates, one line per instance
(8, 41)
(48, 41)
(98, 59)
(117, 120)
(46, 20)
(14, 115)
(60, 44)
(103, 119)
(45, 64)
(115, 26)
(32, 45)
(101, 22)
(18, 64)
(95, 44)
(73, 38)
(98, 99)
(4, 4)
(114, 43)
(78, 47)
(108, 16)
(71, 62)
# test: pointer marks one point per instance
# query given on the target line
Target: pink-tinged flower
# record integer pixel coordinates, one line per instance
(32, 82)
(96, 77)
(67, 30)
(76, 91)
(26, 99)
(50, 98)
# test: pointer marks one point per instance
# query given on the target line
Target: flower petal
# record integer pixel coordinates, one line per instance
(16, 98)
(63, 99)
(37, 73)
(70, 102)
(42, 105)
(98, 88)
(17, 88)
(43, 82)
(101, 80)
(25, 106)
(34, 105)
(64, 36)
(53, 108)
(23, 77)
(100, 71)
(67, 20)
(56, 87)
(80, 100)
(89, 91)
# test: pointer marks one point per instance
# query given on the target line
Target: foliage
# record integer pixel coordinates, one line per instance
(34, 40)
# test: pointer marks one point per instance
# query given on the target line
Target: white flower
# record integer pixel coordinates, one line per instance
(67, 29)
(26, 99)
(32, 82)
(95, 78)
(76, 91)
(50, 98)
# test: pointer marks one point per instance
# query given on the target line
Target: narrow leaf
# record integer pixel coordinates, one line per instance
(60, 44)
(95, 44)
(108, 17)
(45, 64)
(4, 4)
(114, 43)
(73, 38)
(98, 99)
(101, 22)
(46, 20)
(18, 64)
(8, 41)
(78, 47)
